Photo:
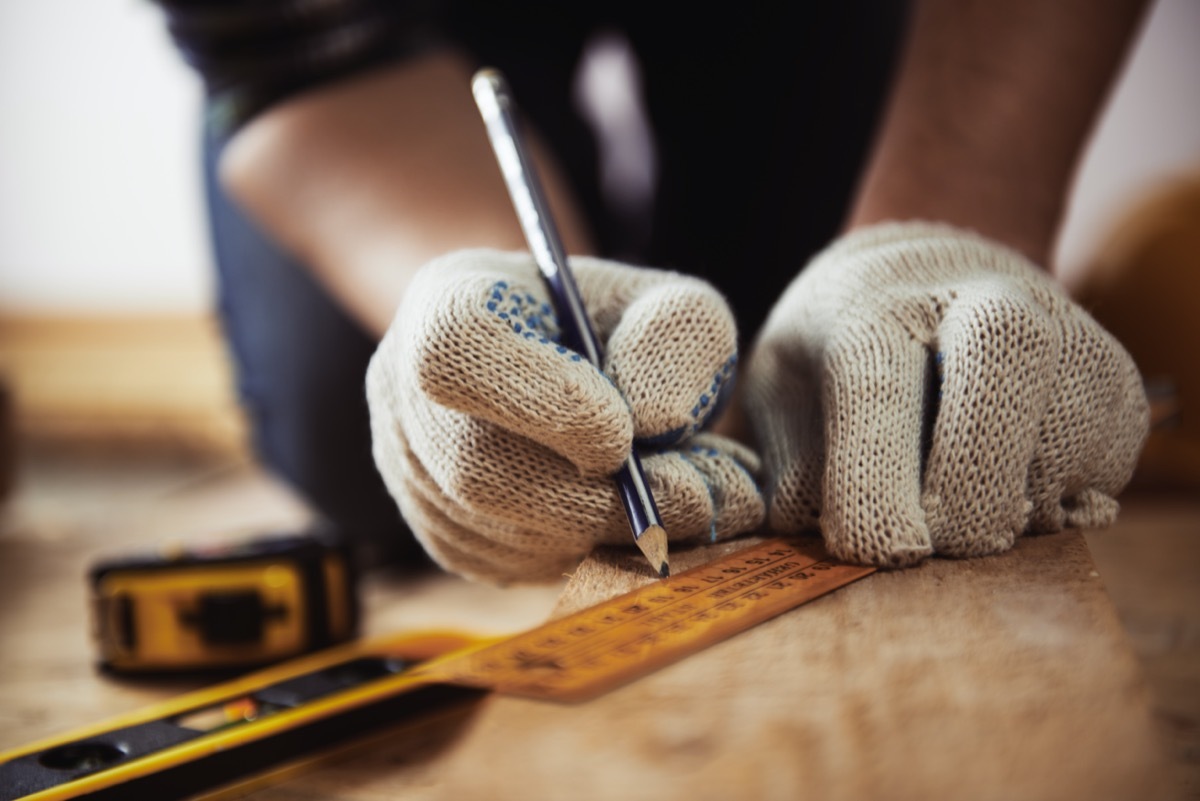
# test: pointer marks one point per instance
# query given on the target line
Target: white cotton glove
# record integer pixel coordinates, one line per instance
(1040, 413)
(499, 444)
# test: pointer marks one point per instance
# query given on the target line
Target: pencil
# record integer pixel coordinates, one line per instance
(499, 116)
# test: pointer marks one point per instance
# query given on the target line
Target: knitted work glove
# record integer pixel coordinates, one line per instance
(1040, 413)
(499, 444)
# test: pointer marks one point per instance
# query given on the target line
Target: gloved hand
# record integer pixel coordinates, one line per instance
(1040, 413)
(499, 444)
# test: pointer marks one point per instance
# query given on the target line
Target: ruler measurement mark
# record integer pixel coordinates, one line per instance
(687, 623)
(634, 611)
(675, 617)
(614, 624)
(596, 649)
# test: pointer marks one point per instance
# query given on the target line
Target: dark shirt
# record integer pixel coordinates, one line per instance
(253, 54)
(761, 114)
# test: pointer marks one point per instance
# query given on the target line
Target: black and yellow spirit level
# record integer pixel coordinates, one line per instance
(247, 731)
(227, 606)
(216, 737)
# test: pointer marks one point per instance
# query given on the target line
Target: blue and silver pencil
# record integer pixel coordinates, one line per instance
(498, 110)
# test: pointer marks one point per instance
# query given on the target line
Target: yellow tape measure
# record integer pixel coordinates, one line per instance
(594, 650)
(258, 723)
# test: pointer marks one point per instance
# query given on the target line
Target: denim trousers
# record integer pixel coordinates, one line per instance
(300, 364)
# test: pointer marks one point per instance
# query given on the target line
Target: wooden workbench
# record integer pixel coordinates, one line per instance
(1003, 678)
(1000, 678)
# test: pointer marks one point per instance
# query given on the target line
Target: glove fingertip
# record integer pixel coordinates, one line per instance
(738, 505)
(878, 555)
(1090, 509)
(794, 499)
(674, 355)
(883, 540)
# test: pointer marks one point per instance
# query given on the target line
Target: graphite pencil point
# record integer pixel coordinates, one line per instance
(653, 544)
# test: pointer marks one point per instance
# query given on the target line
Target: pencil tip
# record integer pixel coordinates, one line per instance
(653, 544)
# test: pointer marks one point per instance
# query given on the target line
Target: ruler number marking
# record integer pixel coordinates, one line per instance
(580, 653)
(638, 613)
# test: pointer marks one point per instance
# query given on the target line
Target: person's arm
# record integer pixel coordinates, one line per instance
(992, 107)
(367, 179)
(920, 389)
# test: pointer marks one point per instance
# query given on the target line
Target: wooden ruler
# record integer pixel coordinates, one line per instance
(266, 721)
(592, 651)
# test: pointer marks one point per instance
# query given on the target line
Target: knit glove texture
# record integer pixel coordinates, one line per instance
(919, 389)
(499, 444)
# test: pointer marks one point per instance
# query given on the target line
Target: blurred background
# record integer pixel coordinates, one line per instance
(102, 236)
(105, 287)
(118, 418)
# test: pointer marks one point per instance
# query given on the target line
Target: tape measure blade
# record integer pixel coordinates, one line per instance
(604, 646)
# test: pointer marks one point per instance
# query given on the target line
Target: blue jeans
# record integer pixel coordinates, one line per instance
(301, 363)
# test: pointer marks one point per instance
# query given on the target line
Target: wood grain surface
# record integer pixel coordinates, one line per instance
(1005, 678)
(1001, 678)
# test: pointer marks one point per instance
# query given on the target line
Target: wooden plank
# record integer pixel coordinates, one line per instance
(144, 380)
(1149, 562)
(997, 678)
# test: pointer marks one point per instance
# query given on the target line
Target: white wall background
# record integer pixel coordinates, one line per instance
(100, 202)
(100, 205)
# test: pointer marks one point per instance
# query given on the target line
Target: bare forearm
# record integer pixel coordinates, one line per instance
(992, 107)
(368, 179)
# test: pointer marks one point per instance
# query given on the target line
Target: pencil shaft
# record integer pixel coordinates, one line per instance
(499, 116)
(533, 212)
